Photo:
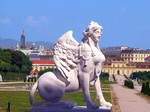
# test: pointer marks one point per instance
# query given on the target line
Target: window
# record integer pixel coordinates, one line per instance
(40, 68)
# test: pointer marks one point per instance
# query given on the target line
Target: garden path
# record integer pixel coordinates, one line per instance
(129, 100)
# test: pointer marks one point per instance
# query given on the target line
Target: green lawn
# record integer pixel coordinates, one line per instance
(15, 84)
(19, 100)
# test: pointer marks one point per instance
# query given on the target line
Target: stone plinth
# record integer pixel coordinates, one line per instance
(75, 109)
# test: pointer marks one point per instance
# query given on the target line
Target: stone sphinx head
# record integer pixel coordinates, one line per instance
(94, 31)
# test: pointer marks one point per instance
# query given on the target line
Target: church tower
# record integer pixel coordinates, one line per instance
(23, 40)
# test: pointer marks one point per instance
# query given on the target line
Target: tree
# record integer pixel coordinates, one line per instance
(22, 61)
(41, 72)
(27, 64)
(5, 56)
(143, 87)
(149, 92)
(147, 87)
(17, 58)
(104, 76)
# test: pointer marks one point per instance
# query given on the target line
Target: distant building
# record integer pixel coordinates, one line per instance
(42, 64)
(46, 55)
(112, 52)
(120, 66)
(132, 55)
(17, 47)
(147, 59)
(23, 41)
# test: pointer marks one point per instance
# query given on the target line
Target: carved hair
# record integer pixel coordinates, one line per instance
(92, 27)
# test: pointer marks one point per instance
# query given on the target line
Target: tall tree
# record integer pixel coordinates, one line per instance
(22, 61)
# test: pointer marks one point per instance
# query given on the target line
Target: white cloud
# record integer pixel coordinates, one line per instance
(6, 21)
(31, 21)
(43, 19)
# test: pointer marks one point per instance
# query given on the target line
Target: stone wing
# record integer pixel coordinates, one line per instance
(66, 54)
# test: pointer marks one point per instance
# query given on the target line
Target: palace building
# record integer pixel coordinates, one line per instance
(42, 64)
(120, 66)
(135, 55)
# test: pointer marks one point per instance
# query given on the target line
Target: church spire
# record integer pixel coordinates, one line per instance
(23, 40)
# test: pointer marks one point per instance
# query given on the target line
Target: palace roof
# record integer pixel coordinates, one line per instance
(43, 62)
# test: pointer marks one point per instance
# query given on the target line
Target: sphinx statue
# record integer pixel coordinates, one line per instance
(77, 66)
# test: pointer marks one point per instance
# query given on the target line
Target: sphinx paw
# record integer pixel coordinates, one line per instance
(106, 104)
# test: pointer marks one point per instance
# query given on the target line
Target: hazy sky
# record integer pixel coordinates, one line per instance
(125, 22)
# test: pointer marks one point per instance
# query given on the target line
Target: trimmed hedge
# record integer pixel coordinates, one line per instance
(12, 76)
(129, 84)
(145, 88)
(114, 78)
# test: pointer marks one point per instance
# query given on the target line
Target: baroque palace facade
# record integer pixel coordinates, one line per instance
(119, 60)
(127, 62)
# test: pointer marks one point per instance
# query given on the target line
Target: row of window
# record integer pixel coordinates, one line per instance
(118, 65)
(120, 71)
(135, 55)
(42, 67)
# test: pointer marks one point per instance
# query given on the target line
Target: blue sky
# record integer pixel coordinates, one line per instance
(125, 22)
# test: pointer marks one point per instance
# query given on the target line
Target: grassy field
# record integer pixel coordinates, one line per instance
(19, 100)
(15, 84)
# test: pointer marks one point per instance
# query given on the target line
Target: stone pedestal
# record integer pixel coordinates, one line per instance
(75, 109)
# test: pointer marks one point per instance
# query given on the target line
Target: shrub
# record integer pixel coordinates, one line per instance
(114, 78)
(149, 92)
(143, 88)
(13, 76)
(147, 87)
(129, 84)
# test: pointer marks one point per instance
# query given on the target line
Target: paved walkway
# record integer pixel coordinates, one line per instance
(120, 79)
(129, 100)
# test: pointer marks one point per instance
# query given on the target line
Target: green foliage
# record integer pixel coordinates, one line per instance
(5, 67)
(19, 100)
(14, 61)
(104, 76)
(114, 78)
(129, 84)
(141, 75)
(127, 78)
(12, 76)
(149, 92)
(145, 88)
(5, 56)
(17, 58)
(41, 72)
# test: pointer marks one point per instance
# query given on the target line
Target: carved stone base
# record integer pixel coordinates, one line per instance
(64, 106)
(75, 109)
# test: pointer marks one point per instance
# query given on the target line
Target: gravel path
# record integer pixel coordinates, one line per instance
(128, 99)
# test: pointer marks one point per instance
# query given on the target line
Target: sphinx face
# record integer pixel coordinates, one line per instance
(96, 35)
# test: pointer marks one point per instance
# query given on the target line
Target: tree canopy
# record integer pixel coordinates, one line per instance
(14, 61)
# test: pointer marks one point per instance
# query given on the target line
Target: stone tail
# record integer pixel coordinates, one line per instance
(32, 91)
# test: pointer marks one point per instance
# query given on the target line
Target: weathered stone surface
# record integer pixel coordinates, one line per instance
(78, 65)
(75, 109)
